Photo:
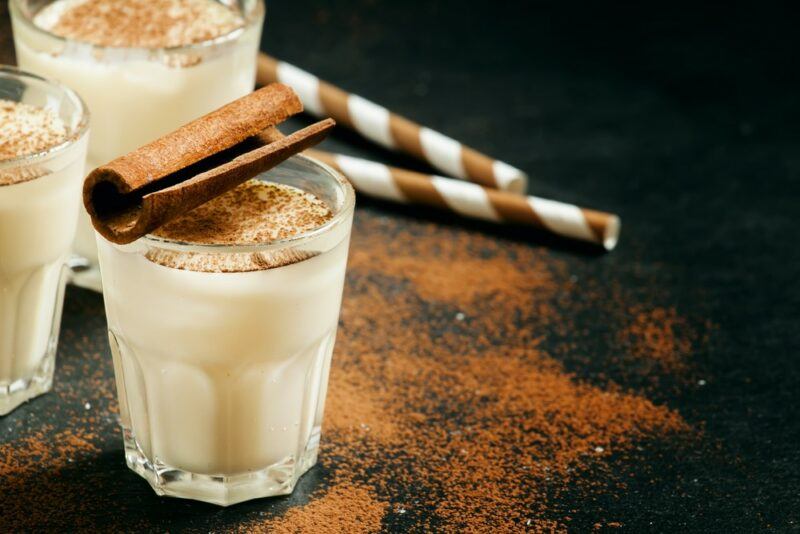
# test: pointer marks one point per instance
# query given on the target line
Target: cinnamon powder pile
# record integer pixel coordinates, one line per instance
(444, 404)
(341, 509)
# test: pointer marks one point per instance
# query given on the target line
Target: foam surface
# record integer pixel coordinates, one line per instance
(254, 213)
(139, 23)
(24, 130)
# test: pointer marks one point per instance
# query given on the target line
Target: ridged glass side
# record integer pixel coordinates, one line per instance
(253, 434)
(30, 340)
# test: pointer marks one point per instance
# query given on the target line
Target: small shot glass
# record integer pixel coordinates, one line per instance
(138, 94)
(222, 376)
(39, 204)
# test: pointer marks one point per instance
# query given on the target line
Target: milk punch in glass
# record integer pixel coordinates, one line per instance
(144, 68)
(222, 325)
(43, 138)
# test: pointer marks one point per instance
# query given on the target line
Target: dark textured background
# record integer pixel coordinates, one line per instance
(680, 117)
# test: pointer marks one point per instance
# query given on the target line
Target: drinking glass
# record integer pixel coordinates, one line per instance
(222, 376)
(138, 94)
(39, 204)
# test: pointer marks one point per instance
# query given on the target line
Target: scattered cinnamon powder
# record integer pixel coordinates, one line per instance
(27, 129)
(359, 410)
(459, 411)
(39, 488)
(18, 458)
(661, 336)
(342, 509)
(450, 406)
(139, 23)
(477, 278)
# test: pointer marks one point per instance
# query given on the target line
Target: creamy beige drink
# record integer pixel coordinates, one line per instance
(144, 67)
(222, 326)
(43, 132)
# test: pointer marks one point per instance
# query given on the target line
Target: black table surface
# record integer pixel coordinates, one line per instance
(681, 118)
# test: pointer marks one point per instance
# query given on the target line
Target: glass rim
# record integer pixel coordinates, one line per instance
(344, 211)
(7, 71)
(249, 20)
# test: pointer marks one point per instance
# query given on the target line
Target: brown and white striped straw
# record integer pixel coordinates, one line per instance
(475, 201)
(390, 130)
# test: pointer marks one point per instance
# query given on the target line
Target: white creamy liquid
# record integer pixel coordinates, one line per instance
(223, 373)
(37, 225)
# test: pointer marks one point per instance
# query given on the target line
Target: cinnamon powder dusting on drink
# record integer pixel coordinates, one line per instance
(26, 130)
(139, 23)
(254, 213)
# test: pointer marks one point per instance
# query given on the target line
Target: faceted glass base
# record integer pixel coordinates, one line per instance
(277, 479)
(24, 389)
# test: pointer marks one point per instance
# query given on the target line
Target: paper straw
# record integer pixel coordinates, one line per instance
(472, 200)
(390, 130)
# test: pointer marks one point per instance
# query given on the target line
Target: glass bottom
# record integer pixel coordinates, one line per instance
(277, 479)
(25, 389)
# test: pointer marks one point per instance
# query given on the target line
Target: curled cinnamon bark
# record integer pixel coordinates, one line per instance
(136, 193)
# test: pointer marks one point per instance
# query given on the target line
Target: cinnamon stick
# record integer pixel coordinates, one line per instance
(136, 193)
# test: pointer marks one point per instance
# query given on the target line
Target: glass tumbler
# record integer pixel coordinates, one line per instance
(39, 204)
(138, 94)
(222, 376)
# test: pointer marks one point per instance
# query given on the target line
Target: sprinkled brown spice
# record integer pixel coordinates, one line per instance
(17, 458)
(33, 471)
(460, 410)
(661, 336)
(139, 23)
(26, 129)
(450, 406)
(354, 408)
(340, 509)
(256, 212)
